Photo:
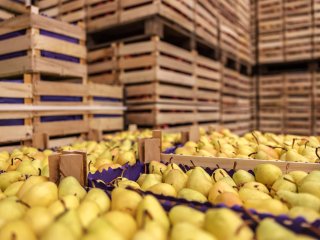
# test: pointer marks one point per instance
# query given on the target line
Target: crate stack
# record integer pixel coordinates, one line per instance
(71, 11)
(11, 8)
(46, 57)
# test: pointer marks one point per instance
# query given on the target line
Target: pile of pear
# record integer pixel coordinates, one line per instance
(40, 209)
(254, 145)
(119, 150)
(267, 190)
(26, 161)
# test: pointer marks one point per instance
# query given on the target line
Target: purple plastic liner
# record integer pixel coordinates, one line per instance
(59, 36)
(106, 115)
(99, 179)
(60, 118)
(11, 100)
(106, 99)
(12, 55)
(12, 34)
(11, 122)
(12, 80)
(59, 56)
(171, 150)
(60, 99)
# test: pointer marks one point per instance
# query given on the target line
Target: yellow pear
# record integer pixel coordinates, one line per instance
(219, 174)
(125, 200)
(157, 167)
(149, 209)
(41, 194)
(176, 178)
(29, 183)
(120, 219)
(248, 194)
(11, 210)
(272, 206)
(13, 188)
(61, 205)
(309, 214)
(126, 157)
(286, 182)
(88, 211)
(297, 175)
(71, 219)
(219, 188)
(187, 231)
(70, 186)
(99, 197)
(183, 213)
(163, 189)
(58, 230)
(39, 219)
(256, 186)
(17, 230)
(241, 177)
(191, 195)
(100, 228)
(267, 174)
(199, 182)
(150, 180)
(229, 199)
(125, 183)
(8, 178)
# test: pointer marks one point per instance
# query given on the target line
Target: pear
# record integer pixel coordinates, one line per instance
(156, 230)
(229, 199)
(87, 211)
(126, 157)
(272, 206)
(219, 188)
(219, 174)
(71, 219)
(157, 167)
(310, 187)
(26, 168)
(17, 230)
(164, 189)
(182, 213)
(29, 183)
(41, 194)
(299, 199)
(248, 194)
(8, 178)
(176, 178)
(100, 228)
(187, 231)
(125, 200)
(293, 156)
(141, 235)
(241, 177)
(149, 209)
(298, 175)
(99, 197)
(71, 186)
(39, 219)
(11, 210)
(267, 174)
(120, 219)
(13, 189)
(229, 181)
(102, 161)
(256, 186)
(285, 182)
(268, 150)
(191, 195)
(170, 167)
(225, 224)
(58, 230)
(309, 214)
(269, 229)
(199, 182)
(125, 183)
(313, 176)
(150, 180)
(63, 204)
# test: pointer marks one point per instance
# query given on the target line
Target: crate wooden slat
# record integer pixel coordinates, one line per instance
(106, 120)
(153, 59)
(271, 119)
(15, 126)
(161, 114)
(103, 64)
(17, 7)
(34, 43)
(271, 90)
(228, 38)
(206, 20)
(180, 12)
(102, 13)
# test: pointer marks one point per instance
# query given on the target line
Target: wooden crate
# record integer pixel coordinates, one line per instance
(229, 87)
(17, 7)
(298, 29)
(102, 13)
(208, 115)
(161, 114)
(206, 20)
(15, 126)
(153, 59)
(34, 43)
(179, 11)
(104, 95)
(103, 65)
(4, 14)
(208, 80)
(227, 11)
(253, 30)
(316, 28)
(59, 92)
(228, 38)
(271, 119)
(271, 90)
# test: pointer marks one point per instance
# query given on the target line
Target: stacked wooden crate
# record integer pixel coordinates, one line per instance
(11, 8)
(71, 11)
(316, 29)
(298, 29)
(316, 102)
(46, 55)
(270, 31)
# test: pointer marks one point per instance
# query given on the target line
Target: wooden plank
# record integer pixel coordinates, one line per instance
(15, 90)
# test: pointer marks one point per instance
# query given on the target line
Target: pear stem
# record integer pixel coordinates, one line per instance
(252, 154)
(39, 170)
(305, 145)
(219, 146)
(192, 163)
(235, 165)
(317, 153)
(23, 203)
(255, 137)
(293, 142)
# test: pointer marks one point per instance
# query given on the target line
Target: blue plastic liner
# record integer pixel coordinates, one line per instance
(59, 56)
(12, 55)
(60, 118)
(58, 36)
(12, 80)
(11, 122)
(106, 99)
(60, 99)
(106, 115)
(12, 34)
(11, 100)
